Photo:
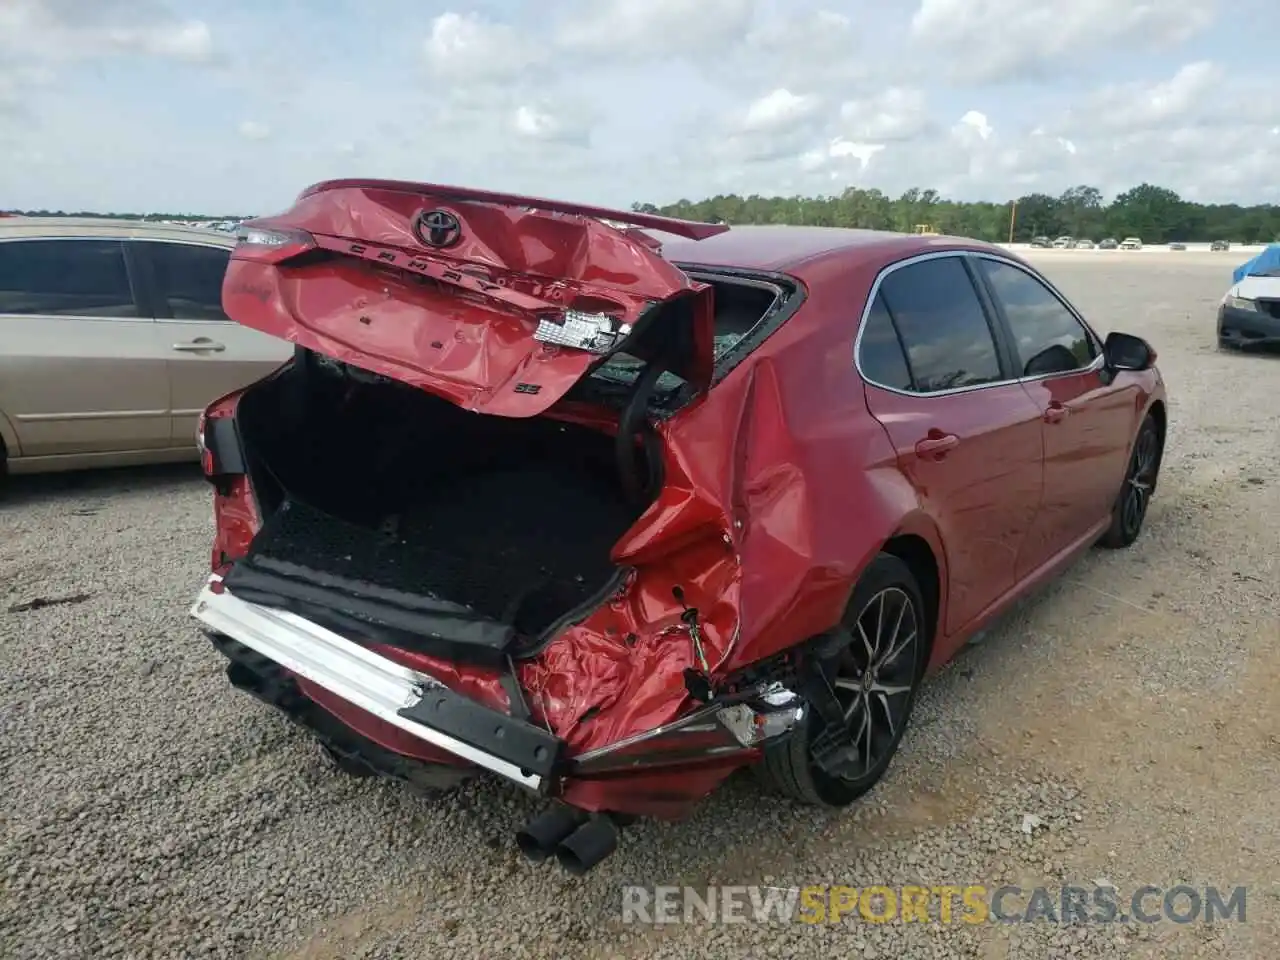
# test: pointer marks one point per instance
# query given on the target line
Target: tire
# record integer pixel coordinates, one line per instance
(1141, 475)
(788, 767)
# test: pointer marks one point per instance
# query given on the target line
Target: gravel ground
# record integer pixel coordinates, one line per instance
(148, 810)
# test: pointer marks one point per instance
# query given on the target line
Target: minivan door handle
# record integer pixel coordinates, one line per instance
(937, 445)
(200, 345)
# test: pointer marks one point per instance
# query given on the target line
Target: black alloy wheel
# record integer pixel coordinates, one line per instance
(1130, 510)
(832, 760)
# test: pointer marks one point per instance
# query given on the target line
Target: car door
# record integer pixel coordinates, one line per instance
(209, 354)
(81, 369)
(1089, 416)
(966, 433)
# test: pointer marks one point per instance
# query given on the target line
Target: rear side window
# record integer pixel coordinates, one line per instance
(942, 325)
(189, 279)
(880, 355)
(1047, 336)
(66, 278)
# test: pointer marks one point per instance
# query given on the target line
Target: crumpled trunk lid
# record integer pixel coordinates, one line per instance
(495, 302)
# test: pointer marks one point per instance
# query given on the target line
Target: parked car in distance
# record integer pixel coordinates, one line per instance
(113, 340)
(1110, 243)
(1177, 246)
(1219, 245)
(1064, 243)
(561, 527)
(1084, 243)
(1131, 243)
(1041, 242)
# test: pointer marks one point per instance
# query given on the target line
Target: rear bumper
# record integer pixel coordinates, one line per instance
(411, 701)
(1248, 327)
(659, 769)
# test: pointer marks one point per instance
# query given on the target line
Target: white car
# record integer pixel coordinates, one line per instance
(1249, 315)
(1131, 243)
(1064, 243)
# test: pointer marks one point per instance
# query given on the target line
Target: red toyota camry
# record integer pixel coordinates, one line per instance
(610, 505)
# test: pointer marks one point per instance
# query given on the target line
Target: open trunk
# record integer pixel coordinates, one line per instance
(395, 507)
(413, 482)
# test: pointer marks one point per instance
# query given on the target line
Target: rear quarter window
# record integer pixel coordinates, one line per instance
(880, 355)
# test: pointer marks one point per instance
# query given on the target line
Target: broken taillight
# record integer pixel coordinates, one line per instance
(271, 245)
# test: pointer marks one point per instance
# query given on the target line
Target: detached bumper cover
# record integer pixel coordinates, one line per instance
(412, 701)
(1248, 327)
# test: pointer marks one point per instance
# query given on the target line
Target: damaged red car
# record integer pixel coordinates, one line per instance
(611, 505)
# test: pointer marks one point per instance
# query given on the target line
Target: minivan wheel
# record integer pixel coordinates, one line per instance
(1140, 478)
(875, 678)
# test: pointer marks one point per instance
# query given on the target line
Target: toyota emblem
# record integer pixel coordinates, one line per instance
(437, 228)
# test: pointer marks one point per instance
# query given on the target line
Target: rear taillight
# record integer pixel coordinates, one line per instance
(271, 244)
(218, 440)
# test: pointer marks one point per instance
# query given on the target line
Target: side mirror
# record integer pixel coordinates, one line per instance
(1124, 351)
(1053, 359)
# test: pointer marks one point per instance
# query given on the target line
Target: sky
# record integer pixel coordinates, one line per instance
(233, 106)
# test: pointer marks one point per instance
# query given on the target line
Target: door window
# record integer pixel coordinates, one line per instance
(65, 278)
(189, 279)
(942, 325)
(1047, 336)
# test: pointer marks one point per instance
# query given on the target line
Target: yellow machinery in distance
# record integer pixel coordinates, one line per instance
(925, 230)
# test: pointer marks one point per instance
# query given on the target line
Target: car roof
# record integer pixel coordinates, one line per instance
(13, 228)
(786, 249)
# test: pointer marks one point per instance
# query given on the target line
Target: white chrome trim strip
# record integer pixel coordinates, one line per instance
(348, 670)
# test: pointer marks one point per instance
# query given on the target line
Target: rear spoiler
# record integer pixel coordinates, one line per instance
(689, 229)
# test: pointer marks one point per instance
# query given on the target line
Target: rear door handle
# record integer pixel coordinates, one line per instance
(1056, 413)
(200, 345)
(937, 445)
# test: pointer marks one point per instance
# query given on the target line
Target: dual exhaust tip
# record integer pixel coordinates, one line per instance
(579, 841)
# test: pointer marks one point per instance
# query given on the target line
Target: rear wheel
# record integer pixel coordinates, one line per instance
(1140, 478)
(832, 760)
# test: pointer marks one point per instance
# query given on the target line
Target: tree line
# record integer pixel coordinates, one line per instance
(1155, 214)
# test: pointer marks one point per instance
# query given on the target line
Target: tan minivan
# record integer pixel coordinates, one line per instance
(113, 340)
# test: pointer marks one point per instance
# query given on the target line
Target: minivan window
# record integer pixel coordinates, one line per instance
(189, 279)
(1047, 336)
(68, 278)
(880, 355)
(942, 325)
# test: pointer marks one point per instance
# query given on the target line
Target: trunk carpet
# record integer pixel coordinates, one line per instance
(522, 545)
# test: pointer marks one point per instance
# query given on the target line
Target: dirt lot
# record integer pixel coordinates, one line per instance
(1134, 708)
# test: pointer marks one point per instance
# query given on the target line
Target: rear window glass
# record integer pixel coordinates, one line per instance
(739, 308)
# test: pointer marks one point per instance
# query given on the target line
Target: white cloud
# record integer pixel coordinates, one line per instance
(654, 29)
(994, 40)
(894, 113)
(778, 110)
(253, 130)
(549, 124)
(191, 41)
(466, 48)
(613, 101)
(62, 30)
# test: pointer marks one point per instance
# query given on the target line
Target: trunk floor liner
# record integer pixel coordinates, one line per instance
(521, 546)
